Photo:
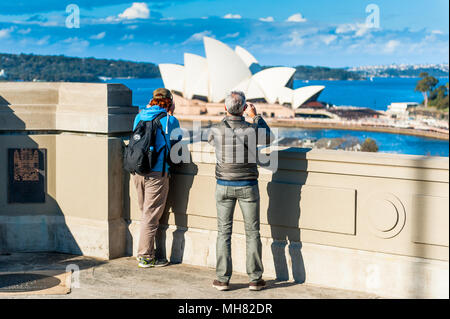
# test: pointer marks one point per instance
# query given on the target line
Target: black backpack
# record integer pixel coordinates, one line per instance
(138, 158)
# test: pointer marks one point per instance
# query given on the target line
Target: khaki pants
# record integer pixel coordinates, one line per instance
(152, 194)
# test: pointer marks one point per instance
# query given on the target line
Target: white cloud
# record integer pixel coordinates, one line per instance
(391, 45)
(138, 10)
(127, 37)
(430, 38)
(43, 41)
(76, 45)
(268, 19)
(296, 18)
(363, 29)
(24, 31)
(359, 29)
(199, 36)
(110, 19)
(232, 35)
(329, 38)
(5, 33)
(53, 21)
(49, 24)
(232, 16)
(99, 36)
(350, 42)
(71, 40)
(346, 28)
(296, 40)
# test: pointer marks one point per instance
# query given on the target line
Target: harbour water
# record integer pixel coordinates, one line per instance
(387, 142)
(376, 94)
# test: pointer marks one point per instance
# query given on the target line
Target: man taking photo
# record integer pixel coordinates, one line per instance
(236, 141)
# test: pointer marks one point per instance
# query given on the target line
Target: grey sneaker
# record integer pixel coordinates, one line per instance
(257, 285)
(221, 285)
(160, 262)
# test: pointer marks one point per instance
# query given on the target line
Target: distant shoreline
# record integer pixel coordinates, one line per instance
(334, 126)
(57, 68)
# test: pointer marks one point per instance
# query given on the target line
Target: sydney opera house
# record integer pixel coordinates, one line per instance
(223, 69)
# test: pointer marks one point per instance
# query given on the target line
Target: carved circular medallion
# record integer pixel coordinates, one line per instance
(385, 215)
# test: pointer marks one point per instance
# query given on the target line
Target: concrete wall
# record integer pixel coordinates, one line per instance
(370, 222)
(80, 125)
(360, 221)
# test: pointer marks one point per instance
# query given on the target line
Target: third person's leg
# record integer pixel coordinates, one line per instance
(225, 209)
(249, 203)
(156, 191)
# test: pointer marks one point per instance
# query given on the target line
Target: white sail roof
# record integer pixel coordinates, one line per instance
(246, 56)
(172, 76)
(285, 95)
(243, 86)
(196, 76)
(226, 69)
(249, 60)
(254, 90)
(303, 94)
(271, 80)
(251, 89)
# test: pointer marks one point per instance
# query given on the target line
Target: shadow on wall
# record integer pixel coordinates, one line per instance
(126, 214)
(30, 218)
(283, 210)
(3, 102)
(180, 185)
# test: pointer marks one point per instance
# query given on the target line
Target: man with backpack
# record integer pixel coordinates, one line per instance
(147, 158)
(235, 142)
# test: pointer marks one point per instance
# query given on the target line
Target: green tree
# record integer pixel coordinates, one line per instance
(439, 97)
(26, 67)
(426, 85)
(369, 145)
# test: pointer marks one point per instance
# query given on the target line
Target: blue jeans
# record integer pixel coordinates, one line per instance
(248, 198)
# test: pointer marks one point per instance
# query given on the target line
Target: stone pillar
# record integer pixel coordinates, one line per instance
(78, 129)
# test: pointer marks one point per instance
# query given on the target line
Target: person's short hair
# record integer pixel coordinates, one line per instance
(235, 102)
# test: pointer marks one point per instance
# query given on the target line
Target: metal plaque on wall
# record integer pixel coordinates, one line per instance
(27, 175)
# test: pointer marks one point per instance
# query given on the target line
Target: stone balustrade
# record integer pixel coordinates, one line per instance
(370, 222)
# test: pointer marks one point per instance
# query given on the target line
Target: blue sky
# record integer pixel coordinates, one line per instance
(320, 32)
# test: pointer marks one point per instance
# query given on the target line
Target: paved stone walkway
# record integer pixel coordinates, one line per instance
(121, 278)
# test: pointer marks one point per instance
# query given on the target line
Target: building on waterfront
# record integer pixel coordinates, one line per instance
(223, 69)
(400, 109)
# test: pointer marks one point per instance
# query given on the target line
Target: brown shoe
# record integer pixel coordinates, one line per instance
(257, 285)
(220, 285)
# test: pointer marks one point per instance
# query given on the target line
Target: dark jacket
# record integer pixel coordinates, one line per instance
(235, 142)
